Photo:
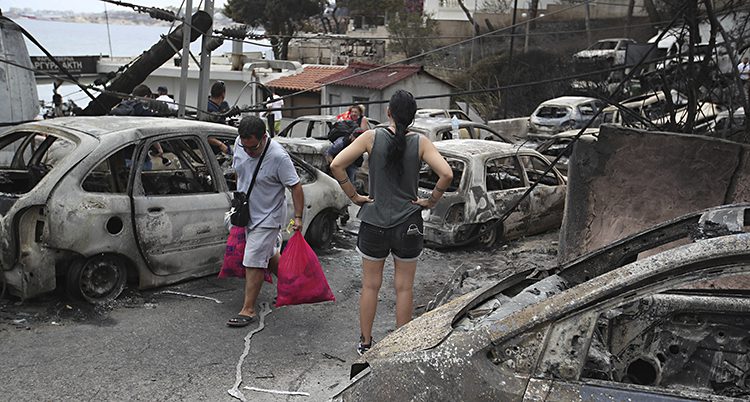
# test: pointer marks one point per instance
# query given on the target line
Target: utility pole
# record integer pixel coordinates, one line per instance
(588, 17)
(205, 71)
(510, 52)
(185, 57)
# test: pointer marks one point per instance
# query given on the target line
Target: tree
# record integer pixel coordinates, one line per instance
(281, 19)
(404, 27)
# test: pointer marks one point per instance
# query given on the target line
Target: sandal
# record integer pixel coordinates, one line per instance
(241, 320)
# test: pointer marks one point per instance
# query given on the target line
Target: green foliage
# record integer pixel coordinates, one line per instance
(369, 8)
(281, 19)
(405, 27)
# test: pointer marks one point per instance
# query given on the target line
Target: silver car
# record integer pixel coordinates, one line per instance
(439, 129)
(488, 177)
(103, 200)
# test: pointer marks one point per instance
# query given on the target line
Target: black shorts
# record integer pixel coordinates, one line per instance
(405, 240)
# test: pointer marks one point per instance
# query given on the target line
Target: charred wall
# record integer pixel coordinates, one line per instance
(630, 180)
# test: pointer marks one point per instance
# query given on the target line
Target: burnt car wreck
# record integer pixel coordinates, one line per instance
(99, 202)
(660, 315)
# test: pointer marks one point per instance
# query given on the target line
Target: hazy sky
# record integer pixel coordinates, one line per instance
(91, 6)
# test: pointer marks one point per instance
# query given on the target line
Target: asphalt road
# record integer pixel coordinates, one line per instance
(151, 345)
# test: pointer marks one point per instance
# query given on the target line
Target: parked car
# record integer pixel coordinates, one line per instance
(439, 129)
(563, 113)
(610, 326)
(727, 124)
(488, 177)
(307, 137)
(72, 205)
(553, 145)
(612, 50)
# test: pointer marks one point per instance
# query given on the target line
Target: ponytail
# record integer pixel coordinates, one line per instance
(403, 107)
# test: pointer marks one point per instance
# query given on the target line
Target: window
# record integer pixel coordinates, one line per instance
(111, 175)
(586, 110)
(552, 112)
(181, 169)
(224, 160)
(428, 178)
(298, 129)
(25, 158)
(503, 174)
(535, 167)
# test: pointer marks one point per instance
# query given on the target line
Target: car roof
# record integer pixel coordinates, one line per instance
(100, 126)
(567, 101)
(465, 147)
(326, 117)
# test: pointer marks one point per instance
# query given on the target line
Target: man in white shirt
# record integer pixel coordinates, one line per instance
(163, 91)
(272, 102)
(744, 70)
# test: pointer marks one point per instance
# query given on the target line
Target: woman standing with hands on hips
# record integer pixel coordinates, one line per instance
(391, 220)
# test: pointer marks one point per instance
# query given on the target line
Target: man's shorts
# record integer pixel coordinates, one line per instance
(260, 245)
(405, 240)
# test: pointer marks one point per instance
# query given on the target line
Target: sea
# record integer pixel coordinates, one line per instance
(90, 39)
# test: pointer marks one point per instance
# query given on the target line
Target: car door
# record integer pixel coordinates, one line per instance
(547, 199)
(178, 208)
(505, 184)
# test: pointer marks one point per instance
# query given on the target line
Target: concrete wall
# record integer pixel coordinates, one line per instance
(517, 127)
(630, 180)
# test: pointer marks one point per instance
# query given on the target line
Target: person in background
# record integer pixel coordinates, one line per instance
(268, 206)
(273, 102)
(338, 145)
(141, 104)
(59, 109)
(744, 70)
(216, 102)
(391, 221)
(357, 114)
(162, 91)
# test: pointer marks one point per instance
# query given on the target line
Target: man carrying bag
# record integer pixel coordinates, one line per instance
(266, 205)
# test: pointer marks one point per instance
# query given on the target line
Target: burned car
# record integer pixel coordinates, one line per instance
(610, 50)
(564, 113)
(440, 129)
(663, 315)
(102, 200)
(307, 137)
(488, 178)
(554, 145)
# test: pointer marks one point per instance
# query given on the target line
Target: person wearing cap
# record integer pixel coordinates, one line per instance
(163, 97)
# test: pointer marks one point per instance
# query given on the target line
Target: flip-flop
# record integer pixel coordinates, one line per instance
(241, 320)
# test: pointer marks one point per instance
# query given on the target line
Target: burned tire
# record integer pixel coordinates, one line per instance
(488, 235)
(321, 230)
(97, 280)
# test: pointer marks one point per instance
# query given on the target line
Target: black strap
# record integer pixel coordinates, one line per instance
(257, 168)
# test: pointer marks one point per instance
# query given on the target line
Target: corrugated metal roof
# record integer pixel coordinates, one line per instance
(354, 76)
(309, 78)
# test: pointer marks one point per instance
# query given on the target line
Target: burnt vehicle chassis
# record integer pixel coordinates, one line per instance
(671, 326)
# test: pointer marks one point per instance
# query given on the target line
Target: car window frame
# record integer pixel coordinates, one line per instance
(142, 153)
(517, 165)
(128, 180)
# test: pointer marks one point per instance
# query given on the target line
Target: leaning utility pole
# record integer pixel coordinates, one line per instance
(205, 68)
(185, 60)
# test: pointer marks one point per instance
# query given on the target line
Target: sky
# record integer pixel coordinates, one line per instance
(91, 6)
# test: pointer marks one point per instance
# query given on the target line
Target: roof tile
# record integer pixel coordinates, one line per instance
(354, 75)
(308, 79)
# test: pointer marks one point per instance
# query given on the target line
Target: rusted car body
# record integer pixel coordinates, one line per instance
(613, 325)
(71, 203)
(488, 177)
(552, 145)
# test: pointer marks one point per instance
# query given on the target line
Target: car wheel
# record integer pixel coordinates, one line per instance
(97, 280)
(488, 234)
(321, 229)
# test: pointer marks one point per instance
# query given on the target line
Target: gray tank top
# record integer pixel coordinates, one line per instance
(393, 194)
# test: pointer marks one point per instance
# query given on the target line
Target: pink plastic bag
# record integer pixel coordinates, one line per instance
(232, 266)
(301, 278)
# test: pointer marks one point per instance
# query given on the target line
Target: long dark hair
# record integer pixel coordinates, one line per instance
(402, 107)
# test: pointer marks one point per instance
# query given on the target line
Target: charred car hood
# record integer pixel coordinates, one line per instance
(304, 145)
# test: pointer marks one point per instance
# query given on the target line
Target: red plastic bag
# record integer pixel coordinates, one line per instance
(233, 255)
(301, 278)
